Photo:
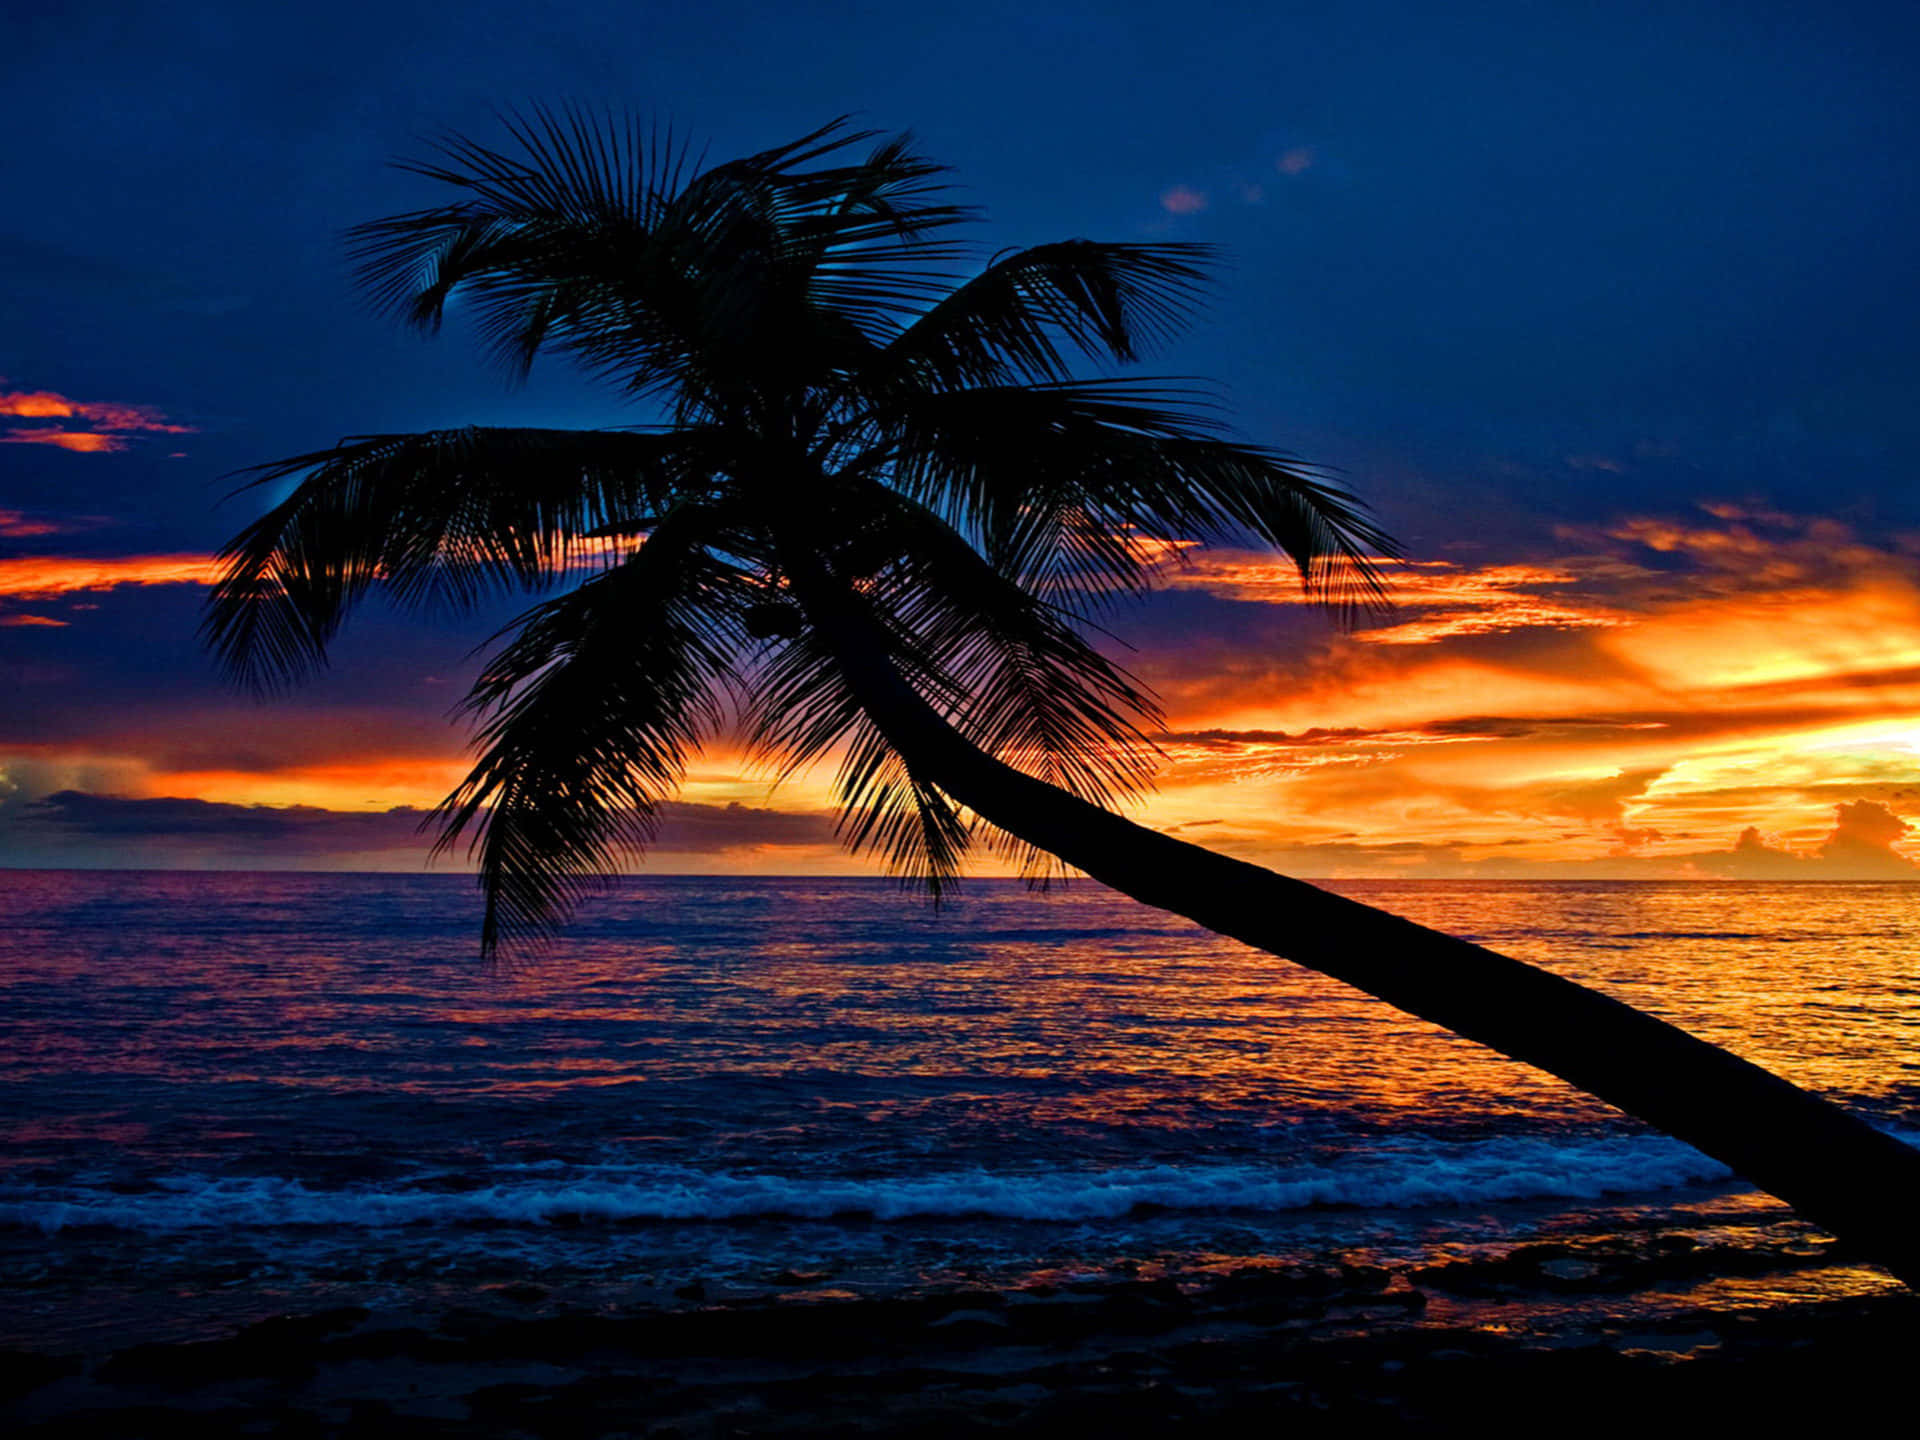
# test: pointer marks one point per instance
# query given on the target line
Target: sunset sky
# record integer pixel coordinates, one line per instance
(1608, 311)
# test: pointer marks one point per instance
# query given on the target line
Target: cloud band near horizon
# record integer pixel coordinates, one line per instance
(1631, 703)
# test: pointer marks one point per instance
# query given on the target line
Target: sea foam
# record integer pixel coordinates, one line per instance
(1416, 1176)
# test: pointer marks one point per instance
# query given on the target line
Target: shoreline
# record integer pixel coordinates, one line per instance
(1621, 1329)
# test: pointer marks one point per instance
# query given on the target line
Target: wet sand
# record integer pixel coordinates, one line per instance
(1658, 1329)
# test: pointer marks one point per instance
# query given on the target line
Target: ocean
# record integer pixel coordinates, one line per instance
(224, 1096)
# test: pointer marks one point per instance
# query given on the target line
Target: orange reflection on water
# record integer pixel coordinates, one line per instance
(1077, 1011)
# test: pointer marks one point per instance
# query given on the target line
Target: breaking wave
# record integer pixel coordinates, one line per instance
(1414, 1176)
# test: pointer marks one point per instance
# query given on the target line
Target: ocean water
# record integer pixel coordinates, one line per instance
(226, 1095)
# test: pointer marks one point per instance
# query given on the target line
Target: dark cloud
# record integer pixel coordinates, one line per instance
(1465, 727)
(290, 831)
(1859, 848)
(710, 829)
(1228, 739)
(1523, 727)
(121, 829)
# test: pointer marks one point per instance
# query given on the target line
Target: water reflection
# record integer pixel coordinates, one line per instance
(1072, 1012)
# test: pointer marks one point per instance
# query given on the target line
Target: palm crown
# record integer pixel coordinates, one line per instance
(834, 392)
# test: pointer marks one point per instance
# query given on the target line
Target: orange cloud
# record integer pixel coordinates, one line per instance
(1603, 800)
(1450, 599)
(14, 525)
(110, 416)
(41, 577)
(1861, 847)
(107, 414)
(25, 620)
(363, 783)
(1765, 600)
(36, 405)
(1626, 707)
(81, 442)
(111, 421)
(1647, 693)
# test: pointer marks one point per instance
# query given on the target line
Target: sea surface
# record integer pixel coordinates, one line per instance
(230, 1095)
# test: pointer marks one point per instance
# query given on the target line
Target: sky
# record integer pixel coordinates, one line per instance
(1608, 312)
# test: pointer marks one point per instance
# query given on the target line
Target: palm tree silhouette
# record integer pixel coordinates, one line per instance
(874, 523)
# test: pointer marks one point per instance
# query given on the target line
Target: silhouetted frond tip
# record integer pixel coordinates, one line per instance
(1008, 324)
(441, 519)
(585, 726)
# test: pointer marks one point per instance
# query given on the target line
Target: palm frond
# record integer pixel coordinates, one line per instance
(1066, 486)
(1036, 695)
(598, 239)
(1009, 323)
(1010, 673)
(586, 719)
(1031, 690)
(439, 517)
(886, 809)
(798, 708)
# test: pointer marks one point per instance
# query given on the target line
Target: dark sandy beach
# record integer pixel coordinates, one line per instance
(1657, 1329)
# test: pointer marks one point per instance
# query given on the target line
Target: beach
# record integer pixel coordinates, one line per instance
(1652, 1331)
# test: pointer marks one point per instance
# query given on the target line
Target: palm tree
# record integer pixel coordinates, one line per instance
(874, 523)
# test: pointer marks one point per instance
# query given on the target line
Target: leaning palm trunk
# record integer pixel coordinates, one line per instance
(1833, 1167)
